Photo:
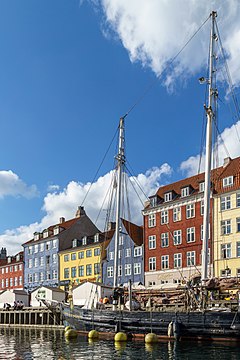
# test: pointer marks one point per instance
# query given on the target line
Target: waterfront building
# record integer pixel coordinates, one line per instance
(83, 261)
(41, 252)
(14, 296)
(227, 219)
(89, 293)
(45, 293)
(130, 255)
(173, 232)
(11, 271)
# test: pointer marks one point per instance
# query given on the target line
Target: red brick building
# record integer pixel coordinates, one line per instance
(173, 231)
(11, 272)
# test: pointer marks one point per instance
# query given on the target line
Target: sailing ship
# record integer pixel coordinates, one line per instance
(199, 322)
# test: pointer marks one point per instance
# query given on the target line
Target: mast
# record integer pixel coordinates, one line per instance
(207, 190)
(120, 163)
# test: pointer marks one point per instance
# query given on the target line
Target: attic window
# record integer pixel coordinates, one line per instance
(96, 238)
(36, 236)
(9, 259)
(228, 181)
(56, 230)
(153, 201)
(168, 196)
(45, 234)
(74, 243)
(18, 257)
(185, 191)
(202, 186)
(84, 240)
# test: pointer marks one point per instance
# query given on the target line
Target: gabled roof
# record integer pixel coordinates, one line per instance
(134, 231)
(47, 287)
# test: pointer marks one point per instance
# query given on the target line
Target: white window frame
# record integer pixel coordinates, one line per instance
(177, 214)
(165, 262)
(226, 227)
(225, 202)
(177, 237)
(151, 220)
(202, 186)
(137, 268)
(152, 263)
(165, 239)
(190, 211)
(191, 234)
(111, 255)
(177, 260)
(168, 196)
(128, 252)
(128, 269)
(191, 258)
(152, 242)
(164, 217)
(228, 181)
(185, 191)
(226, 251)
(137, 251)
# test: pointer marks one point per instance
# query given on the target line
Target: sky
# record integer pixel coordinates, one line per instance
(70, 69)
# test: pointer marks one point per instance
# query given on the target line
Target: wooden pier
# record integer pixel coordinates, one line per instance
(40, 317)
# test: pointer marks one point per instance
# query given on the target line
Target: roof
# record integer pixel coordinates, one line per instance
(134, 231)
(93, 283)
(49, 288)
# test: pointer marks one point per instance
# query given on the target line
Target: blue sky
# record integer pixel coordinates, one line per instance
(69, 70)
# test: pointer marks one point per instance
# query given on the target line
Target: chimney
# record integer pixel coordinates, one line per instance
(80, 212)
(226, 161)
(62, 220)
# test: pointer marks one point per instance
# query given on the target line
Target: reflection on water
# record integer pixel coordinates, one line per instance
(19, 344)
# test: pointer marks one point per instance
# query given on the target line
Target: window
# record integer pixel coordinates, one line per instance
(202, 207)
(15, 267)
(41, 276)
(128, 252)
(168, 196)
(81, 270)
(152, 263)
(16, 281)
(30, 263)
(54, 274)
(177, 237)
(36, 262)
(120, 270)
(48, 245)
(153, 201)
(190, 234)
(151, 220)
(56, 230)
(226, 273)
(45, 234)
(81, 255)
(54, 258)
(128, 269)
(42, 247)
(35, 277)
(228, 181)
(238, 200)
(177, 260)
(30, 250)
(6, 270)
(110, 271)
(165, 261)
(152, 242)
(226, 228)
(164, 217)
(48, 260)
(97, 252)
(89, 253)
(84, 240)
(226, 250)
(73, 256)
(2, 270)
(164, 240)
(237, 224)
(190, 211)
(120, 239)
(29, 280)
(88, 269)
(111, 255)
(151, 283)
(225, 202)
(66, 257)
(20, 267)
(36, 248)
(74, 243)
(120, 254)
(137, 268)
(137, 251)
(2, 283)
(96, 238)
(96, 268)
(36, 236)
(20, 280)
(48, 275)
(238, 249)
(202, 186)
(41, 261)
(11, 282)
(73, 272)
(190, 258)
(177, 214)
(11, 268)
(185, 191)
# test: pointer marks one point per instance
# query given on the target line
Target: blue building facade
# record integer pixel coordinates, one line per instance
(41, 261)
(130, 256)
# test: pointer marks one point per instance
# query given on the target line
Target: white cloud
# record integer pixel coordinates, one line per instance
(154, 31)
(228, 144)
(12, 185)
(53, 187)
(64, 204)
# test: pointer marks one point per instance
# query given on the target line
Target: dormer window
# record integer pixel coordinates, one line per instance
(228, 181)
(185, 191)
(202, 186)
(18, 257)
(36, 236)
(96, 238)
(56, 230)
(9, 259)
(168, 196)
(45, 234)
(74, 243)
(84, 240)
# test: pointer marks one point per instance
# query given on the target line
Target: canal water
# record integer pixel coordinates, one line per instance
(19, 344)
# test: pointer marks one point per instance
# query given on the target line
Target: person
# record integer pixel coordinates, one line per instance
(15, 306)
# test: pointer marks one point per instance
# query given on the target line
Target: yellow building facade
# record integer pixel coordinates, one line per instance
(226, 235)
(81, 263)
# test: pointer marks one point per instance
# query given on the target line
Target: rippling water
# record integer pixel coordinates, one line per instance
(29, 344)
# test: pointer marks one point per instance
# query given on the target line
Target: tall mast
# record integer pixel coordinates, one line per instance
(207, 190)
(120, 163)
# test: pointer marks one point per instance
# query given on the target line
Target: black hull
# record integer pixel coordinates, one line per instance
(207, 325)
